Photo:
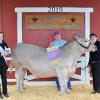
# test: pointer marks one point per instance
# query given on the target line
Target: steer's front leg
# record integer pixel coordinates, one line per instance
(61, 73)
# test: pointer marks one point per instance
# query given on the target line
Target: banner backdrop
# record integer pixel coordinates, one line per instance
(54, 22)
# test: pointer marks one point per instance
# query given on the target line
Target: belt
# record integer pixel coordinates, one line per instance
(95, 61)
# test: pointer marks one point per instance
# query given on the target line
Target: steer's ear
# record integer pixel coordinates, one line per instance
(75, 36)
(78, 36)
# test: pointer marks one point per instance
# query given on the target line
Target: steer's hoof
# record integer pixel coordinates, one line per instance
(62, 93)
(67, 92)
(19, 91)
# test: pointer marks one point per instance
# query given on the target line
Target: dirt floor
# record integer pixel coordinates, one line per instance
(79, 92)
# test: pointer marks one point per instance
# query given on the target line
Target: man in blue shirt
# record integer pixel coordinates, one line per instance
(59, 42)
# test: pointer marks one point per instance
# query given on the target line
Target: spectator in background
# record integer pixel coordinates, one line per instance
(59, 42)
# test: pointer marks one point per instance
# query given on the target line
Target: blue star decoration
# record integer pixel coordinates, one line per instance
(73, 19)
(34, 19)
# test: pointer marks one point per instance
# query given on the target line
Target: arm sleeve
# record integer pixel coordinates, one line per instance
(98, 47)
(4, 43)
(90, 61)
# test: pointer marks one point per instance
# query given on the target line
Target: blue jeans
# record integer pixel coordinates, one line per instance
(68, 84)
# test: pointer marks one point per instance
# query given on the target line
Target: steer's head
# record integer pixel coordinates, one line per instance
(85, 43)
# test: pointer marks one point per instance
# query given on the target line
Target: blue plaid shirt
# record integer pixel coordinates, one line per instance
(59, 43)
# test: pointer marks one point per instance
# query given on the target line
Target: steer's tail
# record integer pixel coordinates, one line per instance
(11, 64)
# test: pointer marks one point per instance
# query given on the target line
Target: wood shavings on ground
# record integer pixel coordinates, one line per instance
(79, 92)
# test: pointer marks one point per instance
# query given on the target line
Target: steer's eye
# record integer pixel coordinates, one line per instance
(85, 41)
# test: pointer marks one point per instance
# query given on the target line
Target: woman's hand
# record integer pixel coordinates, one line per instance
(8, 55)
(3, 54)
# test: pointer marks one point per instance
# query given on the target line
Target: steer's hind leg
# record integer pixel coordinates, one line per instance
(19, 80)
(23, 75)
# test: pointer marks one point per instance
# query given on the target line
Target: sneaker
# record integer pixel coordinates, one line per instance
(1, 97)
(93, 92)
(58, 88)
(6, 95)
(70, 88)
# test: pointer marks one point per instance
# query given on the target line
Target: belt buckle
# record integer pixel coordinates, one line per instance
(93, 62)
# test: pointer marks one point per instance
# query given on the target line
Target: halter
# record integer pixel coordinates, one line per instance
(86, 47)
